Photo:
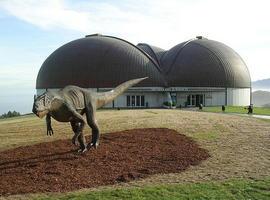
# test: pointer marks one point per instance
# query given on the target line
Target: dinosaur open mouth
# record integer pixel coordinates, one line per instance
(41, 114)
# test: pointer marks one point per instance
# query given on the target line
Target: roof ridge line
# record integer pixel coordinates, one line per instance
(178, 52)
(218, 58)
(148, 56)
(151, 49)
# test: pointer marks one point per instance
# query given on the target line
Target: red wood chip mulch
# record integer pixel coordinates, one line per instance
(121, 157)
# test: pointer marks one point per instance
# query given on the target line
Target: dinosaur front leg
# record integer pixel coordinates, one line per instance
(49, 125)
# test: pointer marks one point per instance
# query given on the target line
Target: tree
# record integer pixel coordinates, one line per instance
(10, 114)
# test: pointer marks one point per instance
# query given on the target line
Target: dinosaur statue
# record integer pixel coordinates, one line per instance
(71, 103)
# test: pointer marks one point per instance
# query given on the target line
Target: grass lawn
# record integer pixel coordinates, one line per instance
(238, 109)
(233, 189)
(239, 149)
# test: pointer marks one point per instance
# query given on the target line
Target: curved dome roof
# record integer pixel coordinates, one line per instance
(155, 52)
(204, 63)
(98, 61)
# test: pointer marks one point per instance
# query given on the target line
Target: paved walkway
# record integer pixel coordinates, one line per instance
(256, 116)
(246, 115)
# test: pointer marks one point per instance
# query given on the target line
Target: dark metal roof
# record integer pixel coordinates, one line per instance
(155, 52)
(98, 61)
(204, 63)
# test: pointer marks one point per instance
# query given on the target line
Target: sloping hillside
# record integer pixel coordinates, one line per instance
(261, 98)
(238, 147)
(261, 84)
(266, 105)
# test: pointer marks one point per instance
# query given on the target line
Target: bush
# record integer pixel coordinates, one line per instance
(10, 114)
(167, 103)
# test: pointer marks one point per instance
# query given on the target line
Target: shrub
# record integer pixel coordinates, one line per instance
(10, 114)
(167, 103)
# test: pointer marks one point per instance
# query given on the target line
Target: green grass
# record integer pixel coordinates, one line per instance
(206, 128)
(238, 109)
(233, 189)
(17, 118)
(265, 120)
(210, 135)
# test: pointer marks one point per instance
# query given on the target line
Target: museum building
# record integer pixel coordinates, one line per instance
(197, 71)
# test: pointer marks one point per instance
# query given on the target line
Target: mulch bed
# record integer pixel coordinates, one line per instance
(121, 157)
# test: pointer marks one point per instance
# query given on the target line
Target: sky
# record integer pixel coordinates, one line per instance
(31, 30)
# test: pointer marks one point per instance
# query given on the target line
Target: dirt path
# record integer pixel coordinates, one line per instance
(122, 157)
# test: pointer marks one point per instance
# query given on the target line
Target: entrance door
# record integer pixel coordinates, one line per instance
(191, 100)
(199, 99)
(135, 101)
(194, 99)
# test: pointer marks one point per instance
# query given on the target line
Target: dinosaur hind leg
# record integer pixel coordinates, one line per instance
(77, 128)
(95, 135)
(81, 140)
(74, 127)
(91, 121)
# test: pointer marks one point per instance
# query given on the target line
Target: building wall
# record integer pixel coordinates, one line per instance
(215, 98)
(40, 91)
(210, 98)
(235, 97)
(181, 99)
(238, 96)
(153, 99)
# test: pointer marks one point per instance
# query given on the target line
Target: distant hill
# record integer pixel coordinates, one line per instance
(266, 105)
(261, 98)
(261, 84)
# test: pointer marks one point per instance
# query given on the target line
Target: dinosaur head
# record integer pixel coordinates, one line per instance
(42, 104)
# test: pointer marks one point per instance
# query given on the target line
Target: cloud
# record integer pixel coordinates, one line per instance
(140, 19)
(18, 76)
(46, 14)
(241, 24)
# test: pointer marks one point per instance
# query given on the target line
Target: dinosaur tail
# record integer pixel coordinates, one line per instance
(106, 97)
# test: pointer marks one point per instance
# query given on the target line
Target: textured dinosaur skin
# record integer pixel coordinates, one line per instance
(71, 103)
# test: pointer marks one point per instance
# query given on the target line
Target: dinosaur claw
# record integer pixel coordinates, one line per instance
(74, 141)
(82, 150)
(90, 145)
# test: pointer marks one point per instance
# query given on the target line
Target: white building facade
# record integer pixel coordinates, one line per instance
(182, 97)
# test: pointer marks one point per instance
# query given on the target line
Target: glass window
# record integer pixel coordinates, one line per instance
(142, 101)
(201, 99)
(128, 101)
(138, 101)
(193, 99)
(132, 100)
(188, 100)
